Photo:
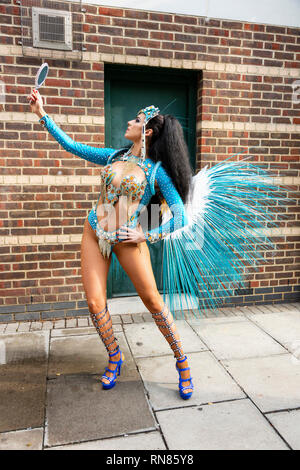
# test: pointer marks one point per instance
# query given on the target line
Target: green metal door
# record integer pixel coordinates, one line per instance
(127, 90)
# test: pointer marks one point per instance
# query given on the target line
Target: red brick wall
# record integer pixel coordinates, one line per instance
(244, 101)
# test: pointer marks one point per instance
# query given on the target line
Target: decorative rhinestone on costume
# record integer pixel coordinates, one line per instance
(150, 112)
(103, 157)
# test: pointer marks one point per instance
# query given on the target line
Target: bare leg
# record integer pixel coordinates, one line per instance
(94, 271)
(137, 264)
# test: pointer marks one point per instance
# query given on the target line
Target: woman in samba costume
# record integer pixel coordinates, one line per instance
(212, 227)
(155, 168)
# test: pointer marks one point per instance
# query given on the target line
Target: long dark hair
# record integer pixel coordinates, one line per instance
(168, 145)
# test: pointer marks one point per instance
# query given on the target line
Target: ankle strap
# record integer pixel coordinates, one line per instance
(182, 360)
(111, 355)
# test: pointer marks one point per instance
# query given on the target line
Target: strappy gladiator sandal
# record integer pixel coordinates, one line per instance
(183, 395)
(117, 371)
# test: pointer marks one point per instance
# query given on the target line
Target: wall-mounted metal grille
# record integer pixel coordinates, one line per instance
(52, 28)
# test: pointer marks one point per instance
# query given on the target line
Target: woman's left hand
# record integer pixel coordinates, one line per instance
(131, 235)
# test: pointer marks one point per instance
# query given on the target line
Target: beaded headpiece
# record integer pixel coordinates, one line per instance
(150, 112)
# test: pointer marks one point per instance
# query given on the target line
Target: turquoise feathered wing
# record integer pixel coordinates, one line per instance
(230, 208)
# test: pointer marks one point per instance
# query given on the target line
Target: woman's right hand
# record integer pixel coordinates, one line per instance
(36, 103)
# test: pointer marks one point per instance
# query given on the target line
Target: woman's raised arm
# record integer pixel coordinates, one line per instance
(91, 154)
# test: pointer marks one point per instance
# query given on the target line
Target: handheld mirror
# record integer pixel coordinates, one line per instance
(41, 75)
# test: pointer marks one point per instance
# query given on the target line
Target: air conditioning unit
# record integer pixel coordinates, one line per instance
(52, 29)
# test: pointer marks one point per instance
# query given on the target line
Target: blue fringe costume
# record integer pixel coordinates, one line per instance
(207, 242)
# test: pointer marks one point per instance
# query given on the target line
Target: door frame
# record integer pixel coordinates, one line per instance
(159, 75)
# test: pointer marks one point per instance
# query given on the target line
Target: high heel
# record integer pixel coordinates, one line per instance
(183, 395)
(117, 371)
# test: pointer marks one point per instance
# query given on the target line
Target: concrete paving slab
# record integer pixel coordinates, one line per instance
(261, 309)
(237, 339)
(283, 307)
(286, 307)
(142, 441)
(211, 381)
(272, 308)
(236, 425)
(145, 339)
(80, 410)
(73, 332)
(89, 330)
(252, 310)
(138, 318)
(287, 424)
(229, 312)
(225, 312)
(273, 383)
(118, 328)
(28, 439)
(116, 319)
(284, 327)
(23, 371)
(127, 319)
(47, 325)
(296, 305)
(208, 313)
(23, 347)
(82, 322)
(216, 320)
(11, 328)
(243, 310)
(147, 317)
(36, 326)
(71, 322)
(125, 305)
(24, 327)
(84, 354)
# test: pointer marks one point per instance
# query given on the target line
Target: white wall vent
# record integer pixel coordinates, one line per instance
(52, 29)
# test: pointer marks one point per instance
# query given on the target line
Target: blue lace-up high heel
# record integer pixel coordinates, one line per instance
(117, 371)
(183, 395)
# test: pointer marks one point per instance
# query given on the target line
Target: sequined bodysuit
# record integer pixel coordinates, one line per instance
(144, 179)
